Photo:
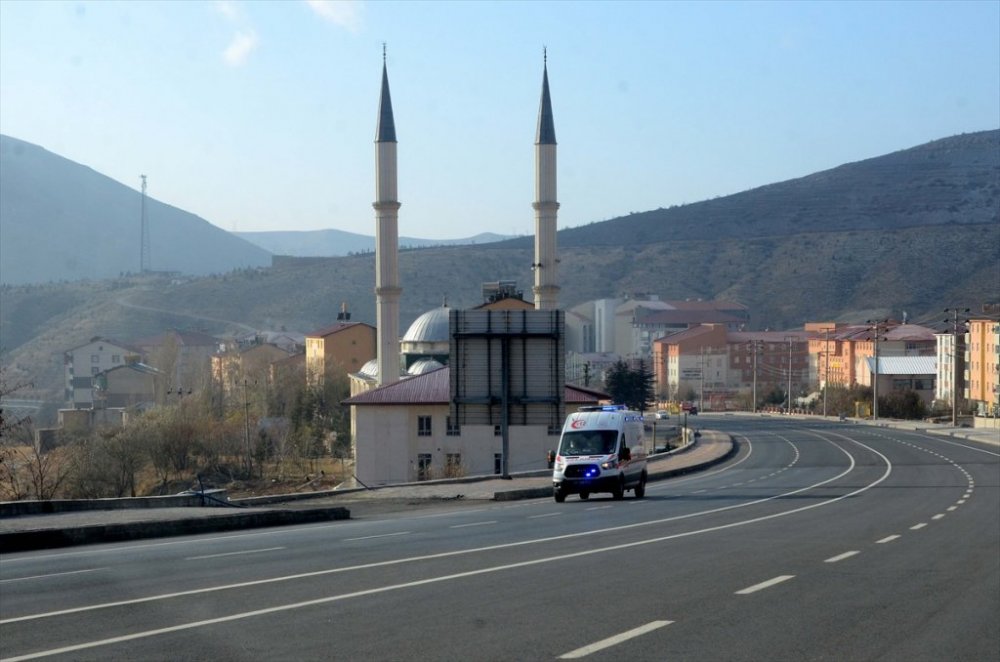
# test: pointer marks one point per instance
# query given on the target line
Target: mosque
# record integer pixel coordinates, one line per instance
(470, 392)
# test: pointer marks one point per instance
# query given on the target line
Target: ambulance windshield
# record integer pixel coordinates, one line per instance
(588, 442)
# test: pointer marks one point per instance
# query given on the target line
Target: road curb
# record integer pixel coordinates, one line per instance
(542, 492)
(23, 541)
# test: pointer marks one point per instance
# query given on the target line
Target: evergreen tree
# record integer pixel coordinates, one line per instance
(632, 387)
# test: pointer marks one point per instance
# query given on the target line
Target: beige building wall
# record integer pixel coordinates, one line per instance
(391, 445)
(127, 387)
(346, 348)
(982, 378)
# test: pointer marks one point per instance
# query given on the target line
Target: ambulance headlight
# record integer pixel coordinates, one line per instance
(610, 464)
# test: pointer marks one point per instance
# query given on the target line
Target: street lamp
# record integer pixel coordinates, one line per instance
(876, 327)
(954, 359)
(753, 346)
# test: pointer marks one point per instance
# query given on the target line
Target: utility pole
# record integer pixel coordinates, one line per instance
(701, 394)
(789, 339)
(753, 346)
(876, 327)
(955, 328)
(246, 428)
(826, 367)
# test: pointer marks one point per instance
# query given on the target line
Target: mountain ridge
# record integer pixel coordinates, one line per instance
(61, 220)
(914, 255)
(331, 242)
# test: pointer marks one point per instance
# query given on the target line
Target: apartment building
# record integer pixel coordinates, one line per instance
(345, 347)
(84, 361)
(719, 368)
(982, 366)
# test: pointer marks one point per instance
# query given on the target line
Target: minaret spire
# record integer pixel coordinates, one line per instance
(546, 206)
(387, 289)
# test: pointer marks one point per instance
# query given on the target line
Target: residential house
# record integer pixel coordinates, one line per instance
(253, 365)
(344, 347)
(717, 367)
(839, 352)
(183, 357)
(950, 380)
(629, 326)
(84, 361)
(905, 373)
(126, 386)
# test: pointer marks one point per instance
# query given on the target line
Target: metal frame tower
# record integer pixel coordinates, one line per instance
(143, 232)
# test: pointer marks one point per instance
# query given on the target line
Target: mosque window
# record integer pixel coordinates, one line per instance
(423, 466)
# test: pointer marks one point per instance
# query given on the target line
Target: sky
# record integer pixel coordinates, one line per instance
(260, 116)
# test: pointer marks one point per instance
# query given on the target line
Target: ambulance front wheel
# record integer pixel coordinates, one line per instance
(619, 492)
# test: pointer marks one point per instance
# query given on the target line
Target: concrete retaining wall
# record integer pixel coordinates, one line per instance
(15, 508)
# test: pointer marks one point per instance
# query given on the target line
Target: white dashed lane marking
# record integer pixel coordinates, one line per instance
(761, 586)
(612, 641)
(841, 557)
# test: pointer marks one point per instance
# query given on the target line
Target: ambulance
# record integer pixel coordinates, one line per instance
(600, 450)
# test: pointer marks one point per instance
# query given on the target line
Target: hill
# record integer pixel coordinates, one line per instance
(333, 243)
(873, 238)
(60, 220)
(953, 181)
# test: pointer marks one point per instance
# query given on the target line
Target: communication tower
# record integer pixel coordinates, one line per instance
(143, 232)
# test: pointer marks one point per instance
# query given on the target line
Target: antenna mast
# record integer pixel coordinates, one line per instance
(143, 232)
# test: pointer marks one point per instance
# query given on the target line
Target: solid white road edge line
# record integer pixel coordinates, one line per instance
(54, 574)
(462, 526)
(522, 543)
(248, 551)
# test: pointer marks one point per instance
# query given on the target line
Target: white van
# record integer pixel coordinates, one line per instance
(600, 450)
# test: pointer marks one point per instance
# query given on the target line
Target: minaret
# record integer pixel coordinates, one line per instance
(387, 289)
(546, 290)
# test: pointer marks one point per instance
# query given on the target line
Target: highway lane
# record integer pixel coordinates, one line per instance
(846, 530)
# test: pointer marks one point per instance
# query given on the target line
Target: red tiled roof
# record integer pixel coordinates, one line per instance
(769, 336)
(339, 326)
(580, 394)
(435, 388)
(686, 334)
(694, 316)
(707, 305)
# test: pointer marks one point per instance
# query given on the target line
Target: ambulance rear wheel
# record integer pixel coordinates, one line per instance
(559, 494)
(640, 489)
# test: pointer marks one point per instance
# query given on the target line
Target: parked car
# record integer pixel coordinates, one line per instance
(662, 415)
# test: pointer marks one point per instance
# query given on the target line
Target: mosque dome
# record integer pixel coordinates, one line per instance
(369, 369)
(423, 366)
(431, 327)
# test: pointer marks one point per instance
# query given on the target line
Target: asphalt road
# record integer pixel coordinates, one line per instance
(818, 541)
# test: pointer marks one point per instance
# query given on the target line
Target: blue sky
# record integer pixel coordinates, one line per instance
(261, 115)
